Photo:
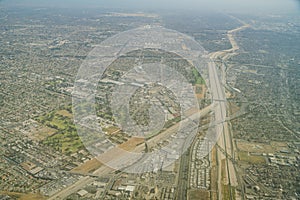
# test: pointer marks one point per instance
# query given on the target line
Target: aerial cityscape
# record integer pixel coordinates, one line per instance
(102, 102)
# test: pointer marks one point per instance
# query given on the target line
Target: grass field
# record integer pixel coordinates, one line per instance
(243, 156)
(65, 138)
(254, 147)
(64, 113)
(198, 195)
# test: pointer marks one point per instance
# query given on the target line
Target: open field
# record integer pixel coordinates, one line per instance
(245, 157)
(200, 91)
(64, 136)
(279, 145)
(65, 113)
(23, 196)
(254, 147)
(41, 133)
(88, 167)
(198, 195)
(233, 108)
(131, 143)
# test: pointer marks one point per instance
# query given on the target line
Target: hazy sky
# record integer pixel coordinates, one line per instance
(229, 5)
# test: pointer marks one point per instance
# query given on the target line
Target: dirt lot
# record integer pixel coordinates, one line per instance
(131, 143)
(22, 196)
(201, 88)
(41, 133)
(233, 108)
(88, 167)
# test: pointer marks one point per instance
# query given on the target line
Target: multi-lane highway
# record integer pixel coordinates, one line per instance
(219, 108)
(219, 101)
(183, 183)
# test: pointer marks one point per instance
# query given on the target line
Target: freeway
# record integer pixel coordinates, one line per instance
(218, 92)
(183, 183)
(220, 113)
